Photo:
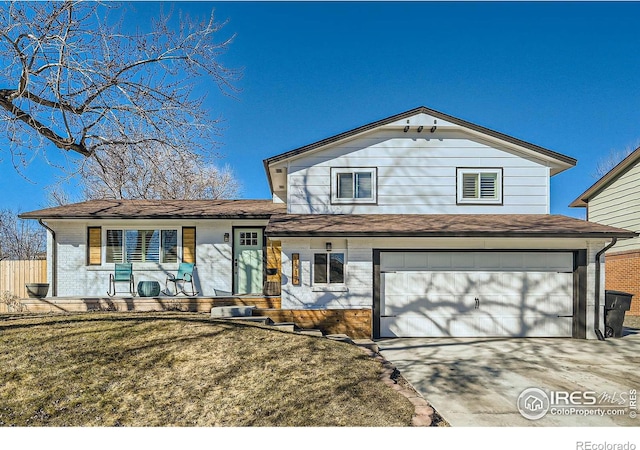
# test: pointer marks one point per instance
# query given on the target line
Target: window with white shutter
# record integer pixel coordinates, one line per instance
(114, 246)
(159, 246)
(479, 186)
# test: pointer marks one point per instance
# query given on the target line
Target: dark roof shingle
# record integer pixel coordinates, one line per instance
(160, 209)
(440, 225)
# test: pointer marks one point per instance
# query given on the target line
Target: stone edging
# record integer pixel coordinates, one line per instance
(424, 413)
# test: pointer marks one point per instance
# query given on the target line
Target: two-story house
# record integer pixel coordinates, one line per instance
(420, 224)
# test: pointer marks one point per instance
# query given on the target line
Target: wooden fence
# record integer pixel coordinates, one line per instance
(15, 273)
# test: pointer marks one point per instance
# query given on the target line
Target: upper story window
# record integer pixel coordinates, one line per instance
(353, 185)
(479, 186)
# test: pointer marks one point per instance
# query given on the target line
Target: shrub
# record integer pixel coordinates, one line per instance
(12, 302)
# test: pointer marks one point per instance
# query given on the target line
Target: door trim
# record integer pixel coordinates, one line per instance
(234, 289)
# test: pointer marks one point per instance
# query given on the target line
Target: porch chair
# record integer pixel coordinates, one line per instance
(184, 275)
(123, 273)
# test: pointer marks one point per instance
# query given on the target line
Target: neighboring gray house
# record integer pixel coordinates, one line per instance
(420, 224)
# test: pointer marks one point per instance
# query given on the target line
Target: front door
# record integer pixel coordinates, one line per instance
(247, 261)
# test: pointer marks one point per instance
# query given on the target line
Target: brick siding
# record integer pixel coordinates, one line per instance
(623, 274)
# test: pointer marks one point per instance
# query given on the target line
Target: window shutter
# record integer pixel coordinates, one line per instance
(469, 185)
(151, 245)
(488, 185)
(189, 244)
(114, 246)
(94, 246)
(133, 245)
(169, 246)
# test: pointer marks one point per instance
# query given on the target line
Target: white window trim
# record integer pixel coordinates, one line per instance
(334, 185)
(479, 201)
(338, 287)
(143, 227)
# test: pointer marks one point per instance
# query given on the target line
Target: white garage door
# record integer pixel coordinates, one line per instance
(472, 294)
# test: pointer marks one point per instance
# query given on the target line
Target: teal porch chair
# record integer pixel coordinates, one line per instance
(184, 276)
(123, 273)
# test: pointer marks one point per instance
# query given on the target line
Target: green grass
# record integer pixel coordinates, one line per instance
(182, 369)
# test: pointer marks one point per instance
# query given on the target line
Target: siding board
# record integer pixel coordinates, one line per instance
(618, 205)
(416, 174)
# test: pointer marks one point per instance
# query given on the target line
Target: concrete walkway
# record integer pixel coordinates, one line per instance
(476, 382)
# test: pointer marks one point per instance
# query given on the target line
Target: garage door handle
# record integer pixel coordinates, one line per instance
(389, 316)
(571, 315)
(477, 303)
(388, 271)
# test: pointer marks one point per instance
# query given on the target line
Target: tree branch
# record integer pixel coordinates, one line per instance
(57, 140)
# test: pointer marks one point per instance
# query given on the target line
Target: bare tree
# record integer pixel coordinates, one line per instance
(20, 239)
(612, 159)
(75, 77)
(158, 172)
(58, 196)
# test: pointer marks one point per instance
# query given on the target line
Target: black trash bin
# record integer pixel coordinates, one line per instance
(616, 303)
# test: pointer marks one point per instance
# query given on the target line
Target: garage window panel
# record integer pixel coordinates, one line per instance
(415, 260)
(440, 261)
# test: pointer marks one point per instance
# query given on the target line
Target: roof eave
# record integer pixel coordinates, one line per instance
(595, 188)
(578, 203)
(158, 217)
(566, 162)
(265, 163)
(516, 235)
(344, 135)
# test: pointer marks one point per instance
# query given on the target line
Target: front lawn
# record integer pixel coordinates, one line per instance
(182, 369)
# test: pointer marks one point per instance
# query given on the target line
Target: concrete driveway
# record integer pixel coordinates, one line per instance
(477, 382)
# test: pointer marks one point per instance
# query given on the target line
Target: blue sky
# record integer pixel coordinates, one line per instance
(560, 75)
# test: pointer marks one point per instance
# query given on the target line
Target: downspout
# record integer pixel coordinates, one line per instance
(596, 321)
(54, 260)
